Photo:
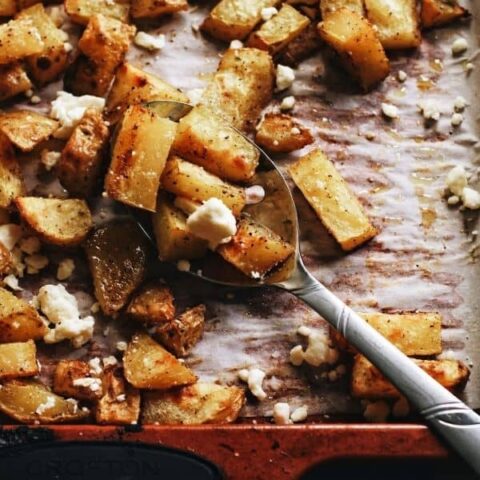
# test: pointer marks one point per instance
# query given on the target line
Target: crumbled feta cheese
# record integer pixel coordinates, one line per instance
(377, 412)
(49, 159)
(195, 95)
(95, 308)
(285, 77)
(69, 110)
(456, 180)
(35, 99)
(267, 13)
(429, 111)
(121, 398)
(389, 110)
(295, 131)
(401, 408)
(296, 355)
(469, 67)
(453, 200)
(213, 221)
(95, 368)
(401, 76)
(470, 198)
(109, 361)
(11, 281)
(35, 263)
(254, 378)
(10, 234)
(456, 120)
(30, 245)
(299, 414)
(243, 375)
(43, 407)
(94, 384)
(29, 93)
(65, 269)
(319, 350)
(459, 46)
(149, 42)
(304, 331)
(236, 44)
(121, 346)
(460, 104)
(281, 413)
(254, 194)
(68, 47)
(183, 265)
(287, 103)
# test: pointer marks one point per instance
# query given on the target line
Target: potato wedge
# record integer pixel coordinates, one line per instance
(8, 8)
(11, 180)
(80, 11)
(151, 9)
(368, 382)
(117, 267)
(19, 321)
(193, 405)
(13, 80)
(204, 138)
(65, 376)
(356, 43)
(27, 129)
(28, 401)
(330, 6)
(441, 12)
(255, 249)
(59, 222)
(19, 39)
(396, 23)
(139, 155)
(148, 365)
(329, 195)
(18, 359)
(180, 335)
(241, 87)
(192, 181)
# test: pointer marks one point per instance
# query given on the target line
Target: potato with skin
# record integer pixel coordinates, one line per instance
(56, 221)
(13, 80)
(329, 6)
(80, 11)
(66, 372)
(148, 365)
(18, 359)
(19, 38)
(436, 13)
(11, 180)
(152, 9)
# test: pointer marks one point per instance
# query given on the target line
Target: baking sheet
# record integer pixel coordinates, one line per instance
(423, 258)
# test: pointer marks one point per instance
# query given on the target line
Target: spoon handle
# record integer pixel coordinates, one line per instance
(457, 423)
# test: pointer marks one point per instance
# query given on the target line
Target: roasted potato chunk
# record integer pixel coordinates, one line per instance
(356, 42)
(80, 11)
(19, 321)
(329, 195)
(28, 401)
(152, 304)
(301, 47)
(150, 9)
(330, 6)
(18, 359)
(19, 38)
(180, 335)
(193, 405)
(440, 12)
(139, 155)
(27, 129)
(117, 257)
(11, 180)
(73, 378)
(148, 365)
(13, 80)
(59, 222)
(8, 8)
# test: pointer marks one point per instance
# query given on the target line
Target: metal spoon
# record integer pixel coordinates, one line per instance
(457, 423)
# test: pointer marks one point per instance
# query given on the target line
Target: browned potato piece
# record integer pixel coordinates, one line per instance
(235, 19)
(148, 365)
(133, 86)
(27, 129)
(8, 8)
(67, 372)
(152, 304)
(255, 249)
(18, 359)
(28, 401)
(281, 133)
(80, 11)
(139, 155)
(6, 261)
(368, 382)
(121, 403)
(204, 138)
(174, 241)
(117, 257)
(301, 47)
(147, 9)
(193, 405)
(184, 332)
(241, 87)
(329, 195)
(19, 39)
(11, 180)
(330, 6)
(192, 181)
(60, 222)
(19, 321)
(440, 12)
(13, 80)
(275, 34)
(357, 44)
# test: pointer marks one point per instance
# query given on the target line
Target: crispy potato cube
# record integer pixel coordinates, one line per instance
(59, 222)
(11, 180)
(148, 9)
(301, 47)
(81, 164)
(281, 133)
(356, 42)
(396, 22)
(139, 155)
(121, 403)
(13, 80)
(368, 381)
(330, 6)
(117, 257)
(275, 34)
(329, 195)
(193, 405)
(27, 129)
(67, 371)
(203, 138)
(235, 19)
(80, 11)
(133, 86)
(152, 304)
(19, 39)
(28, 401)
(18, 359)
(440, 12)
(174, 241)
(255, 249)
(8, 8)
(180, 335)
(148, 365)
(241, 87)
(192, 181)
(19, 321)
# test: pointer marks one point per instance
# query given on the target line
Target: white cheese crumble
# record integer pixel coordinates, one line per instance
(49, 159)
(287, 103)
(68, 47)
(35, 99)
(281, 413)
(295, 131)
(429, 111)
(65, 269)
(11, 281)
(183, 265)
(459, 46)
(471, 198)
(195, 95)
(95, 368)
(35, 263)
(389, 110)
(296, 356)
(149, 42)
(299, 414)
(121, 398)
(213, 221)
(456, 180)
(267, 13)
(401, 76)
(456, 120)
(236, 44)
(254, 379)
(94, 384)
(319, 350)
(10, 234)
(109, 361)
(469, 67)
(43, 407)
(377, 412)
(304, 331)
(460, 104)
(95, 308)
(254, 194)
(453, 200)
(121, 346)
(285, 77)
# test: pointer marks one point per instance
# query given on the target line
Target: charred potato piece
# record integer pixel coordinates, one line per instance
(151, 9)
(65, 376)
(193, 405)
(11, 180)
(18, 359)
(117, 257)
(441, 12)
(329, 6)
(8, 8)
(59, 222)
(19, 321)
(80, 11)
(301, 47)
(13, 80)
(180, 335)
(19, 38)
